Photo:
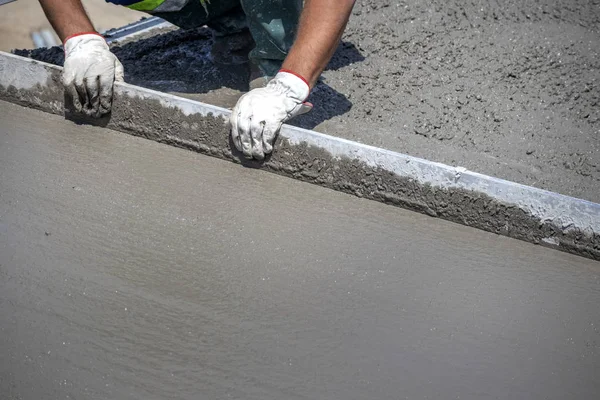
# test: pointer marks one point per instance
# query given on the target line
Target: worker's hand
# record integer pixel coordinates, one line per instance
(259, 114)
(89, 73)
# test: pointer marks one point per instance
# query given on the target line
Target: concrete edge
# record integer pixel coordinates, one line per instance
(452, 193)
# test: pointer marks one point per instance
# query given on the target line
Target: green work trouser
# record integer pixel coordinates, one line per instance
(272, 23)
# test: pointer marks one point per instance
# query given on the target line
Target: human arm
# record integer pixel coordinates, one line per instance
(259, 114)
(67, 17)
(90, 69)
(321, 26)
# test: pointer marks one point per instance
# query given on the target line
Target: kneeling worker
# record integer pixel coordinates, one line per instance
(294, 41)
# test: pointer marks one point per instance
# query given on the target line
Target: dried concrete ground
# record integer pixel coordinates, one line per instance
(506, 88)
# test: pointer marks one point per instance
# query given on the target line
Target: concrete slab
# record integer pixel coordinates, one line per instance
(505, 88)
(439, 190)
(135, 270)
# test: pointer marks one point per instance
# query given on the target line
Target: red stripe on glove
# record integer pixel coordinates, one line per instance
(82, 33)
(296, 75)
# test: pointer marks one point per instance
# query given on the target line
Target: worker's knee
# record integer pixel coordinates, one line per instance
(273, 24)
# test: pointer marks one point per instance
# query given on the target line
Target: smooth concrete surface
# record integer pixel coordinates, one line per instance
(134, 270)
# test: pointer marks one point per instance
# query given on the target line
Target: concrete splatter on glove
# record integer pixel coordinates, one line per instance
(258, 115)
(89, 72)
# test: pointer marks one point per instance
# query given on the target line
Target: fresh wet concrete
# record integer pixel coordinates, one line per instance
(131, 269)
(505, 88)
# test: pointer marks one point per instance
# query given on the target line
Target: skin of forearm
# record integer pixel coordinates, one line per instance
(321, 26)
(67, 17)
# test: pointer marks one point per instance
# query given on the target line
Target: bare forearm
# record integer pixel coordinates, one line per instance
(67, 17)
(321, 26)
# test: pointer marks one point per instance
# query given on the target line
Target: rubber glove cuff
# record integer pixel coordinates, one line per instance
(294, 85)
(74, 42)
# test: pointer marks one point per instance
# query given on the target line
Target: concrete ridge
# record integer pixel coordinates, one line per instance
(452, 193)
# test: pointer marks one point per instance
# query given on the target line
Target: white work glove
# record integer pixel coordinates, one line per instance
(259, 114)
(89, 72)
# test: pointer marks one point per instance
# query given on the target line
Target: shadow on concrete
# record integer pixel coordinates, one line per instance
(327, 101)
(344, 55)
(80, 118)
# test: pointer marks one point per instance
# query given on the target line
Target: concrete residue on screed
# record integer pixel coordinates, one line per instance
(209, 135)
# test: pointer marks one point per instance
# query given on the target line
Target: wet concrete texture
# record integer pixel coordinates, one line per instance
(439, 190)
(130, 269)
(506, 88)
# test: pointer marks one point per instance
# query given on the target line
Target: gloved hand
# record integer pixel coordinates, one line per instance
(89, 72)
(259, 114)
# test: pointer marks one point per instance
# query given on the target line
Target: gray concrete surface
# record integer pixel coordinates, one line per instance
(130, 269)
(506, 88)
(444, 191)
